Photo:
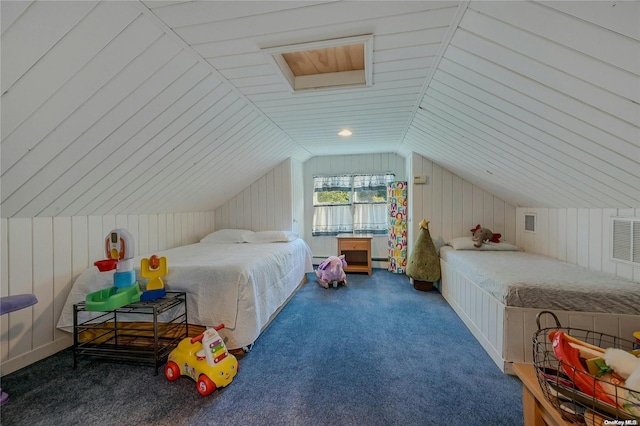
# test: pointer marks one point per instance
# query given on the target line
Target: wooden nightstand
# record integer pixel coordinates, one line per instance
(357, 251)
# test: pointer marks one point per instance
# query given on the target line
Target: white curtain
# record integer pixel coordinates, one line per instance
(366, 211)
(372, 182)
(332, 183)
(370, 218)
(332, 220)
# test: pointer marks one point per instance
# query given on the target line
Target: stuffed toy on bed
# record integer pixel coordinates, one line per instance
(332, 270)
(482, 235)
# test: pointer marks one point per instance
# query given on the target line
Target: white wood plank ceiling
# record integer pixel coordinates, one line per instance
(144, 107)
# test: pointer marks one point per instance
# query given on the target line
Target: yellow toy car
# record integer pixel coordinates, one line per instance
(205, 359)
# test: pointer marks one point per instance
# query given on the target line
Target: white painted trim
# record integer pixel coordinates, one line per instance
(330, 81)
(42, 352)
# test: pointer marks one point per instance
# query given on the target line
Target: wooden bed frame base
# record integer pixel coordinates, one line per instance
(506, 332)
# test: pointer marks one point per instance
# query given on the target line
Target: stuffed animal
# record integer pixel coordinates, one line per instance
(332, 270)
(626, 365)
(482, 235)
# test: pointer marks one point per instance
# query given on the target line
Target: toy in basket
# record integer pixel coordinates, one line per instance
(205, 359)
(579, 376)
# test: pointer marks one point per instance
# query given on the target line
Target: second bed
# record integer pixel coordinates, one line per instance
(498, 294)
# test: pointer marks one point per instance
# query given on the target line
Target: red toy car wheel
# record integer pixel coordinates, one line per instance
(172, 371)
(204, 385)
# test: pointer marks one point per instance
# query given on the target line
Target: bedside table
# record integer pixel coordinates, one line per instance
(357, 251)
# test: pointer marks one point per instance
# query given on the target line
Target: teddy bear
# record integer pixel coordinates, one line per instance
(626, 365)
(332, 270)
(482, 235)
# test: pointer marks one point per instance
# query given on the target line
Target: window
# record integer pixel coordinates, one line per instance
(332, 190)
(350, 203)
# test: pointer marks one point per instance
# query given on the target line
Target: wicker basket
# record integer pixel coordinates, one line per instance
(564, 385)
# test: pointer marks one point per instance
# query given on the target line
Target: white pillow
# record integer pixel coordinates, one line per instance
(271, 237)
(227, 236)
(466, 243)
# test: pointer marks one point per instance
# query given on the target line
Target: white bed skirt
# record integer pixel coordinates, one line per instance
(505, 332)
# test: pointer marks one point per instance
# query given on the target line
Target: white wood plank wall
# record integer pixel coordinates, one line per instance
(454, 205)
(44, 255)
(366, 163)
(576, 235)
(297, 192)
(264, 205)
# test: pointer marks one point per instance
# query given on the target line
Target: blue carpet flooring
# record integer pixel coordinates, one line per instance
(376, 352)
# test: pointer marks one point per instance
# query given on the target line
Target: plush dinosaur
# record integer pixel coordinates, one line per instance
(332, 270)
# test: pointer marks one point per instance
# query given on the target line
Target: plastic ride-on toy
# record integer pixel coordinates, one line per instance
(205, 359)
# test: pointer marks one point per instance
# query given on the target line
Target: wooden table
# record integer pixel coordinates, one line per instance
(357, 251)
(535, 407)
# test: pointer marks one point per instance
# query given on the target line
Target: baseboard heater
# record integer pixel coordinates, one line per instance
(320, 259)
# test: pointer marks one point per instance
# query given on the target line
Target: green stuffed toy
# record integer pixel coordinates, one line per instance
(424, 263)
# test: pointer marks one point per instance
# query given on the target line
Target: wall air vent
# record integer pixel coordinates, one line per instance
(625, 239)
(530, 222)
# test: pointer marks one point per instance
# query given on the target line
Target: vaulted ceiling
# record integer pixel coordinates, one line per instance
(142, 107)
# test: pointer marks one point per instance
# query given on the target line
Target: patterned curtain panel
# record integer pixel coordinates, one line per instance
(370, 203)
(332, 205)
(332, 183)
(397, 211)
(372, 182)
(370, 219)
(331, 220)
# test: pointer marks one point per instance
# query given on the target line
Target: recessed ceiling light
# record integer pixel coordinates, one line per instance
(345, 132)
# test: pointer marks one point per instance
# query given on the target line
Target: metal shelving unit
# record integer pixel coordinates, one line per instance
(141, 339)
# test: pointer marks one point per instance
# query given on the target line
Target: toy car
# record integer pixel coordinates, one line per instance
(205, 359)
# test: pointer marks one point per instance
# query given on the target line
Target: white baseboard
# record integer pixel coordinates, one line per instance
(28, 358)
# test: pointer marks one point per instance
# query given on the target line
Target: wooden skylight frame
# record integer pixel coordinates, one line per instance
(328, 64)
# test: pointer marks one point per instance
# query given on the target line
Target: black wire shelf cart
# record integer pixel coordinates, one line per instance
(137, 338)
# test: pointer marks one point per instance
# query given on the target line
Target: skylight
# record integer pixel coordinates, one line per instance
(328, 64)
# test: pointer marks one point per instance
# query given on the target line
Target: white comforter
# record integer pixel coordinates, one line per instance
(529, 280)
(240, 285)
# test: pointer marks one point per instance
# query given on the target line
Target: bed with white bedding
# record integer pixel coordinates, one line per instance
(498, 291)
(241, 284)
